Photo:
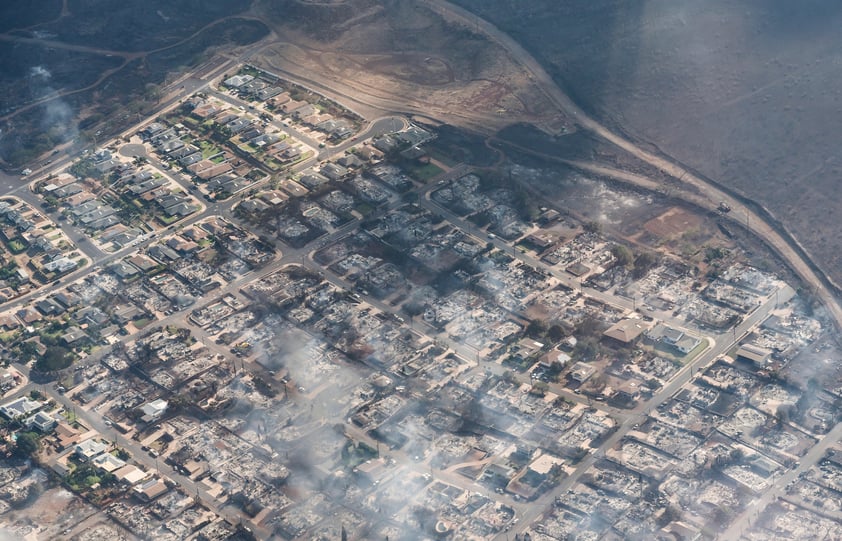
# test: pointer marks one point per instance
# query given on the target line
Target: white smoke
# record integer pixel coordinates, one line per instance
(39, 72)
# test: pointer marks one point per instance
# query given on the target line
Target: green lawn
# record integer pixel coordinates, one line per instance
(364, 208)
(246, 147)
(423, 173)
(142, 322)
(272, 164)
(167, 220)
(695, 352)
(208, 149)
(16, 246)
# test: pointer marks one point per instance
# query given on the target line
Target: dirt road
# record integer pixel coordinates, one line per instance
(782, 242)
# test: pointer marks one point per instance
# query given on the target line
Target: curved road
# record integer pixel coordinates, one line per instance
(99, 258)
(541, 78)
(754, 222)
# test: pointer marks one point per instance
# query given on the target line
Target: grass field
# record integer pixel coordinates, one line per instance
(425, 172)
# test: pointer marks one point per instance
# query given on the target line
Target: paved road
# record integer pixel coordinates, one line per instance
(754, 222)
(714, 195)
(565, 278)
(724, 343)
(94, 421)
(298, 135)
(753, 509)
(222, 208)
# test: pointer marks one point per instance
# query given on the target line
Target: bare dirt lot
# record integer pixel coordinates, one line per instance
(404, 58)
(52, 513)
(672, 223)
(746, 92)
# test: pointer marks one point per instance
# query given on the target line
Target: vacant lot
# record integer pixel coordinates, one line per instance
(94, 85)
(745, 91)
(31, 72)
(399, 56)
(25, 13)
(136, 26)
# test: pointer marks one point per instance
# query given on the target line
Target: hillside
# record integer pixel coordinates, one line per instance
(747, 92)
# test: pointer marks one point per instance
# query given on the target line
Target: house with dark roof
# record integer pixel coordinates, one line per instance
(226, 184)
(107, 165)
(152, 130)
(183, 152)
(254, 206)
(90, 315)
(104, 223)
(268, 93)
(144, 264)
(41, 422)
(163, 254)
(313, 180)
(67, 191)
(123, 270)
(128, 312)
(124, 238)
(67, 299)
(182, 246)
(97, 214)
(188, 160)
(238, 125)
(350, 161)
(250, 133)
(74, 336)
(49, 307)
(305, 110)
(334, 171)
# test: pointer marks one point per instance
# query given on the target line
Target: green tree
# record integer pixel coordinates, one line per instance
(539, 388)
(643, 263)
(536, 329)
(592, 227)
(589, 326)
(556, 333)
(714, 253)
(54, 358)
(27, 444)
(623, 255)
(586, 349)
